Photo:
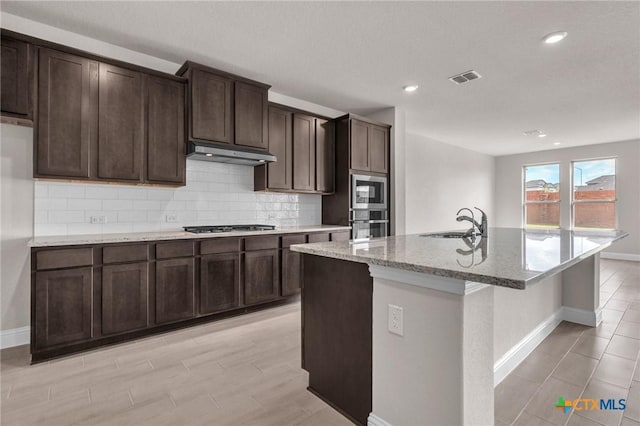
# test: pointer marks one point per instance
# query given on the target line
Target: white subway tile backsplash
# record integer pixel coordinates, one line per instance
(215, 194)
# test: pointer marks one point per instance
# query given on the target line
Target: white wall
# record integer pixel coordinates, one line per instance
(508, 187)
(215, 194)
(441, 179)
(16, 227)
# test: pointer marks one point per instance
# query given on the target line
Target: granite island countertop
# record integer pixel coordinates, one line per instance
(73, 240)
(508, 257)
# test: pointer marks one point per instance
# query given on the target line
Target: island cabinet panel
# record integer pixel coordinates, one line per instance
(261, 276)
(66, 106)
(174, 290)
(359, 152)
(63, 307)
(280, 172)
(166, 152)
(120, 124)
(219, 282)
(211, 107)
(379, 149)
(337, 300)
(251, 106)
(15, 77)
(304, 152)
(124, 297)
(325, 155)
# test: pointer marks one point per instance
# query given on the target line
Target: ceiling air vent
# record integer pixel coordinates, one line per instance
(465, 77)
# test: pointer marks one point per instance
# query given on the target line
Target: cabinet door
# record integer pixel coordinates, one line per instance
(325, 157)
(378, 149)
(65, 109)
(211, 107)
(261, 276)
(166, 158)
(15, 77)
(280, 172)
(291, 272)
(251, 115)
(120, 124)
(174, 290)
(63, 306)
(219, 282)
(359, 151)
(124, 297)
(304, 152)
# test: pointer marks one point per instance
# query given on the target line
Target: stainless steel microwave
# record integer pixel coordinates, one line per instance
(368, 192)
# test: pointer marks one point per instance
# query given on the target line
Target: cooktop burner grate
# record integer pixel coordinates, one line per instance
(227, 228)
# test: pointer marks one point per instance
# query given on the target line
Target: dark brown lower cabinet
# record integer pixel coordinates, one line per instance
(125, 297)
(219, 282)
(291, 272)
(261, 276)
(64, 297)
(174, 290)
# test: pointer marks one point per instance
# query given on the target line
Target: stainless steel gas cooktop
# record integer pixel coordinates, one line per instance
(227, 228)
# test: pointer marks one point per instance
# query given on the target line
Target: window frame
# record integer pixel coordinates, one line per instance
(573, 201)
(523, 183)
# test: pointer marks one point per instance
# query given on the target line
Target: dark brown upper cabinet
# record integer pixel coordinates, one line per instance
(304, 152)
(210, 107)
(225, 108)
(67, 104)
(325, 155)
(165, 131)
(17, 78)
(120, 124)
(369, 147)
(279, 174)
(251, 106)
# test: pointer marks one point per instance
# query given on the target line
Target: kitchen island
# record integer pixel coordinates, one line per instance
(418, 330)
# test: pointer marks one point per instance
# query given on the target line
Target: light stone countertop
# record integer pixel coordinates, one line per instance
(72, 240)
(508, 257)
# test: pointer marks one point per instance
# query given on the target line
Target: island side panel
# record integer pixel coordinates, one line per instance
(337, 333)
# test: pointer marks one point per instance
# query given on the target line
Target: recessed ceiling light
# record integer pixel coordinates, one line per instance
(542, 135)
(209, 155)
(557, 143)
(554, 37)
(410, 88)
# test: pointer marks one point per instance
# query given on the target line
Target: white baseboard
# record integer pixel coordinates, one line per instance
(581, 316)
(15, 337)
(514, 356)
(620, 256)
(374, 420)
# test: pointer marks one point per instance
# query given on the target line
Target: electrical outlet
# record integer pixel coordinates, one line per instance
(171, 218)
(98, 220)
(396, 325)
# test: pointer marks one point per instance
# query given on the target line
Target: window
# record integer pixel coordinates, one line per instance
(594, 194)
(542, 196)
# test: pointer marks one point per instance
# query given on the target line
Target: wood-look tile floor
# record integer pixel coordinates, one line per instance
(582, 362)
(246, 371)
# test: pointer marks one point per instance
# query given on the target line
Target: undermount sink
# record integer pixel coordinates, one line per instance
(458, 234)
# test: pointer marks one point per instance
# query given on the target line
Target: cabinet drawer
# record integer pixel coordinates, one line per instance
(340, 236)
(289, 240)
(263, 242)
(318, 238)
(220, 245)
(131, 253)
(66, 258)
(177, 249)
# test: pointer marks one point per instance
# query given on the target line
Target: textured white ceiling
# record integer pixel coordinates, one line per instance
(356, 56)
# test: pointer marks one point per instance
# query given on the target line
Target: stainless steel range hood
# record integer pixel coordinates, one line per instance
(221, 153)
